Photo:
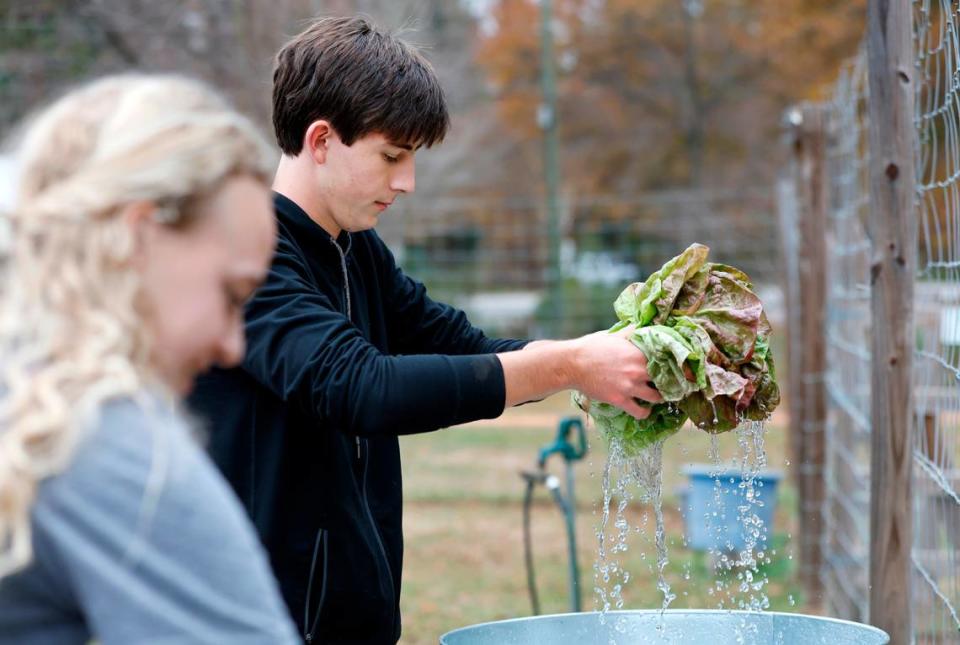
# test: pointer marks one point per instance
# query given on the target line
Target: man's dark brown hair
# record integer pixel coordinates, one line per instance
(362, 80)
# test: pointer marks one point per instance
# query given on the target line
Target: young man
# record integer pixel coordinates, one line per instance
(346, 353)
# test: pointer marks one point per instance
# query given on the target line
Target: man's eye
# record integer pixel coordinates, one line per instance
(391, 158)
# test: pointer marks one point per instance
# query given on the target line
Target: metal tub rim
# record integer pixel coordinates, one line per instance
(648, 612)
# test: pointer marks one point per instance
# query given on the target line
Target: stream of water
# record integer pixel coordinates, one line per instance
(738, 578)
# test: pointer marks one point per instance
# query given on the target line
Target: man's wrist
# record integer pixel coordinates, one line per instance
(537, 344)
(569, 360)
(561, 358)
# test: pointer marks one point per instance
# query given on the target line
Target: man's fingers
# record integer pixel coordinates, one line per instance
(649, 393)
(634, 409)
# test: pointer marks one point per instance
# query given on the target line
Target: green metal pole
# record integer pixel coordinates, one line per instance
(547, 119)
(576, 604)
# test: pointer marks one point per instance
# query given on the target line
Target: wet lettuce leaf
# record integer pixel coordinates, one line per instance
(706, 339)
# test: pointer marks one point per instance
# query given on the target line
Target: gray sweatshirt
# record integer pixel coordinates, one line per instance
(140, 540)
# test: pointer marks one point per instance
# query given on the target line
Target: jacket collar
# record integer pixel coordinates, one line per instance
(304, 228)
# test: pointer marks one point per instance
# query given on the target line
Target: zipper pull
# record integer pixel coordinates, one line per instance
(358, 448)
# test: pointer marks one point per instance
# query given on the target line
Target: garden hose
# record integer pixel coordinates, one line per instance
(531, 479)
(566, 504)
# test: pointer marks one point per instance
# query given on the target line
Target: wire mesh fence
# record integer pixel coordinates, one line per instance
(844, 541)
(936, 544)
(491, 256)
(846, 506)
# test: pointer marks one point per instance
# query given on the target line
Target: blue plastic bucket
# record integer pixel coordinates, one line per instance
(674, 626)
(712, 517)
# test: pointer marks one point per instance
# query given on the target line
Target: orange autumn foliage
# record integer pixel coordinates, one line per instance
(656, 93)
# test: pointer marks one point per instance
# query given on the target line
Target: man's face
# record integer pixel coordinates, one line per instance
(361, 181)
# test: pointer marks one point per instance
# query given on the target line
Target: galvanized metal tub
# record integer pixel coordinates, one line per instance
(674, 626)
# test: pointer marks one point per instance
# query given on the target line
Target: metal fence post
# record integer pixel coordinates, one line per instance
(547, 117)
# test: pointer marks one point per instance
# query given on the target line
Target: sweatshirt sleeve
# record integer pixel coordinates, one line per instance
(426, 326)
(307, 353)
(151, 542)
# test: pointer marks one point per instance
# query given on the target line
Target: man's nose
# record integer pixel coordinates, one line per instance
(404, 177)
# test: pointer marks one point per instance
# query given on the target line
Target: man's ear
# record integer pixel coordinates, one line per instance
(316, 141)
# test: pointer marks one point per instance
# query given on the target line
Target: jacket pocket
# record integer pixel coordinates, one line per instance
(311, 618)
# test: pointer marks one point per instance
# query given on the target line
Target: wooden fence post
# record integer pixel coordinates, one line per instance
(810, 428)
(893, 235)
(788, 212)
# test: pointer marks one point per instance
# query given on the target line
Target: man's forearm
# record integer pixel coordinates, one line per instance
(605, 367)
(542, 368)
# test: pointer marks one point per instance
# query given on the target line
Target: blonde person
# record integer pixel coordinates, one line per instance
(143, 224)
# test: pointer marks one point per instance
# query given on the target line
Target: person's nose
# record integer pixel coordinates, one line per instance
(404, 176)
(232, 346)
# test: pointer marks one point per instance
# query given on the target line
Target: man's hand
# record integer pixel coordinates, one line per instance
(610, 368)
(605, 367)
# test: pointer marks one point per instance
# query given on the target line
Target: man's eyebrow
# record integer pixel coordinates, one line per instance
(405, 146)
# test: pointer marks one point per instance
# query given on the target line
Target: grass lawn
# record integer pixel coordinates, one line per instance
(463, 525)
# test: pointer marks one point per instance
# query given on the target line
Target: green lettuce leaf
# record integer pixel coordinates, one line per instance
(652, 301)
(634, 434)
(706, 340)
(667, 351)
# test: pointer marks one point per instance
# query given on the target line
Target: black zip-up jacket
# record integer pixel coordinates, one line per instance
(344, 354)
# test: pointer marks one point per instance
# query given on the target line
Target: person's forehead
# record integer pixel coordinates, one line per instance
(380, 138)
(406, 146)
(243, 213)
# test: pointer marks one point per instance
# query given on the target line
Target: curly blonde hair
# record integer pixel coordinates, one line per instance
(72, 332)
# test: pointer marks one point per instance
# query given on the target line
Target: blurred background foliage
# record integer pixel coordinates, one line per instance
(669, 116)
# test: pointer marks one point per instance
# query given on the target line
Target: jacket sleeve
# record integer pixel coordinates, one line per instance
(426, 326)
(309, 354)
